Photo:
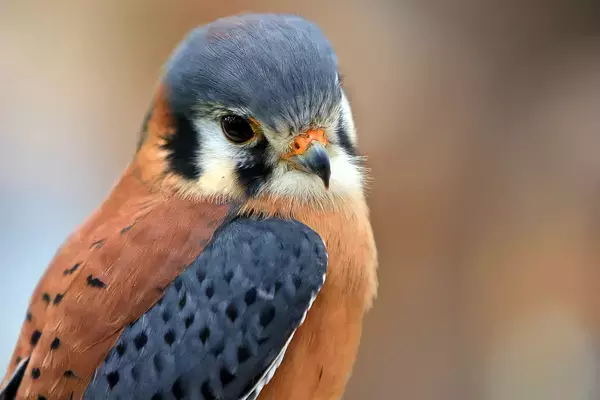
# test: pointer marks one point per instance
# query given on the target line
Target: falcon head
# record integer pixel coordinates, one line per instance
(256, 108)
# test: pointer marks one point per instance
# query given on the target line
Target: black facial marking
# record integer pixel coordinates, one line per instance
(69, 271)
(42, 397)
(344, 140)
(183, 146)
(46, 298)
(35, 373)
(35, 337)
(18, 360)
(95, 282)
(254, 171)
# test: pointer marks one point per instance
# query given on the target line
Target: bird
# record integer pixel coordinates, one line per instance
(234, 256)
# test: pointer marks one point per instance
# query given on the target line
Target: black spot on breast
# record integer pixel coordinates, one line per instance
(178, 283)
(250, 297)
(69, 374)
(69, 271)
(55, 344)
(344, 140)
(35, 337)
(254, 170)
(95, 282)
(140, 341)
(98, 244)
(126, 229)
(28, 316)
(35, 373)
(207, 391)
(218, 349)
(189, 320)
(121, 348)
(226, 377)
(46, 298)
(209, 292)
(228, 276)
(177, 390)
(58, 298)
(166, 316)
(169, 337)
(112, 378)
(182, 301)
(232, 312)
(204, 335)
(182, 147)
(267, 315)
(42, 397)
(243, 354)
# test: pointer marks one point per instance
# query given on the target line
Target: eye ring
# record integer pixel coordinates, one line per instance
(237, 129)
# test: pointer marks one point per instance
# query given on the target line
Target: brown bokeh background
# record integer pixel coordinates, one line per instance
(481, 123)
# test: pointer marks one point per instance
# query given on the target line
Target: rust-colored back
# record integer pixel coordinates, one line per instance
(111, 270)
(108, 273)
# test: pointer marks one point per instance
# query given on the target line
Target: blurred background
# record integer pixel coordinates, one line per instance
(481, 120)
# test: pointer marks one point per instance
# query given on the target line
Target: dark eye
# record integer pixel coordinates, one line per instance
(237, 129)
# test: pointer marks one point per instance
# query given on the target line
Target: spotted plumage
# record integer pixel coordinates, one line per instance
(202, 274)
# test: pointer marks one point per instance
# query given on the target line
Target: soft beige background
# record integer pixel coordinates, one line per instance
(481, 120)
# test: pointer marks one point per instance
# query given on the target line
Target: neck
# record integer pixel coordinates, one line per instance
(266, 206)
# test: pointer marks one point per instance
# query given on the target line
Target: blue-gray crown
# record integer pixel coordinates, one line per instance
(281, 68)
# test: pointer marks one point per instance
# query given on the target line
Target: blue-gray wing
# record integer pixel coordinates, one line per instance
(222, 327)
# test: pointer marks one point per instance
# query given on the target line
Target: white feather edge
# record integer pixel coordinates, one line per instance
(270, 372)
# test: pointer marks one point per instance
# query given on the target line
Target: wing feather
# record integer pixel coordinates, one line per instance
(222, 327)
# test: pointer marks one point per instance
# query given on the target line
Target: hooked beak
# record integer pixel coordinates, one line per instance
(309, 154)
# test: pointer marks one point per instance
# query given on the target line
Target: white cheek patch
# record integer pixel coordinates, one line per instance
(216, 160)
(346, 177)
(348, 119)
